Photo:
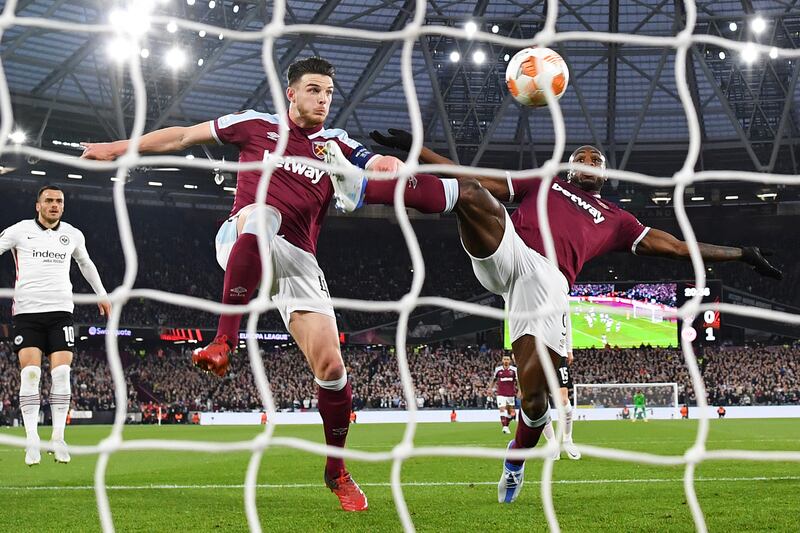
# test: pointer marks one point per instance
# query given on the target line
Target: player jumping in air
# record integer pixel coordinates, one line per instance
(639, 407)
(507, 254)
(505, 378)
(43, 248)
(297, 200)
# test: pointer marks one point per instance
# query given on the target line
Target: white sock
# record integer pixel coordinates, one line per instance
(548, 432)
(29, 400)
(60, 395)
(568, 423)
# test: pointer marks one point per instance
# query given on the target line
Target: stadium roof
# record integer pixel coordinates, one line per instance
(67, 87)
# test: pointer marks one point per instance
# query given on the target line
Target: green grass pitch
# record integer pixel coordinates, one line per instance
(633, 331)
(188, 491)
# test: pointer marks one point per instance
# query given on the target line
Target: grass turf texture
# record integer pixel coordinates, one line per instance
(590, 495)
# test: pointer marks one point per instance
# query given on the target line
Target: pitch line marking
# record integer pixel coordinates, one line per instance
(407, 484)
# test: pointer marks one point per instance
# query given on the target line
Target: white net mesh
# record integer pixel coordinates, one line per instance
(405, 449)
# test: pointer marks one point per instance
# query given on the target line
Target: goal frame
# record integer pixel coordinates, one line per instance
(672, 384)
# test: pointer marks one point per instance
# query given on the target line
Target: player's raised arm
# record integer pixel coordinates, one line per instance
(91, 275)
(662, 244)
(161, 141)
(401, 140)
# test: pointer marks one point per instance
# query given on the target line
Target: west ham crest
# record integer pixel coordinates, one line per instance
(319, 149)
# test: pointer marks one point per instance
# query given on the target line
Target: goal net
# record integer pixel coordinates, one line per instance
(615, 396)
(282, 25)
(653, 312)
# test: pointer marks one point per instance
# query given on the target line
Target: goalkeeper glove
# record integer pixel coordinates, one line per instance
(399, 139)
(756, 257)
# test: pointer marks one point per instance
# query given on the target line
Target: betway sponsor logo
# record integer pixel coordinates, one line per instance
(47, 254)
(580, 202)
(301, 169)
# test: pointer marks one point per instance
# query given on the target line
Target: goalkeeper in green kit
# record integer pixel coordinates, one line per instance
(639, 407)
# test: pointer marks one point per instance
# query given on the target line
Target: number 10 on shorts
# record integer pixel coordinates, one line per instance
(69, 334)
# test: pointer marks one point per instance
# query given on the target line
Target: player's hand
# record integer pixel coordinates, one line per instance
(386, 163)
(99, 151)
(569, 358)
(754, 256)
(105, 308)
(400, 139)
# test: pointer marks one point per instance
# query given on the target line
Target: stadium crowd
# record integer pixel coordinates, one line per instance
(443, 378)
(175, 254)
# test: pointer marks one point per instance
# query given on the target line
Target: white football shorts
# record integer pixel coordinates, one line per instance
(296, 273)
(527, 281)
(503, 401)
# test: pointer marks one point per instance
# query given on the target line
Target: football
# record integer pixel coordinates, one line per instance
(529, 72)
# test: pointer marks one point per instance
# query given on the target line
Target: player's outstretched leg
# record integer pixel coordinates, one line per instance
(242, 264)
(424, 192)
(60, 396)
(533, 414)
(29, 404)
(317, 336)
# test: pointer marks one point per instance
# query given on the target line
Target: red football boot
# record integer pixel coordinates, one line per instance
(214, 357)
(350, 496)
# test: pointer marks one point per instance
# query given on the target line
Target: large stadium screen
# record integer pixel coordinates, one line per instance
(621, 314)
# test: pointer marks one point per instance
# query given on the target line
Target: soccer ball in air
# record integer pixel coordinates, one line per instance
(530, 70)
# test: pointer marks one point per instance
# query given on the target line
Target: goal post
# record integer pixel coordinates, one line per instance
(661, 398)
(653, 312)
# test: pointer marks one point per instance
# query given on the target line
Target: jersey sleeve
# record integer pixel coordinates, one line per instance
(80, 254)
(86, 266)
(354, 151)
(8, 239)
(630, 232)
(237, 128)
(520, 188)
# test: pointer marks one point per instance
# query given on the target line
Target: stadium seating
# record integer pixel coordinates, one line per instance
(444, 378)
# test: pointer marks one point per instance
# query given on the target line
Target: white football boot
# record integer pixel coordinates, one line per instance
(348, 190)
(572, 451)
(557, 454)
(510, 482)
(33, 455)
(60, 451)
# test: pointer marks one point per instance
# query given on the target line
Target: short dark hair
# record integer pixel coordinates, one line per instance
(47, 188)
(309, 65)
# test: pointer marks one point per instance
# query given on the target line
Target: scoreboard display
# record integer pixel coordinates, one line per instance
(705, 329)
(631, 314)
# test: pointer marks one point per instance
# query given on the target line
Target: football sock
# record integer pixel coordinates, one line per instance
(29, 399)
(424, 192)
(528, 432)
(568, 423)
(335, 400)
(242, 276)
(548, 432)
(60, 395)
